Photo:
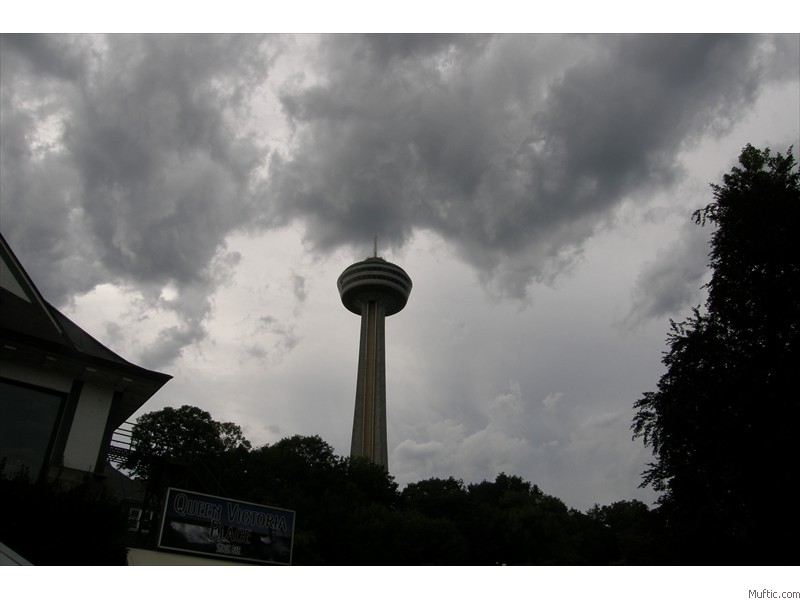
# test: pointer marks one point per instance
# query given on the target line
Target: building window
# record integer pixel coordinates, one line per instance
(27, 428)
(137, 517)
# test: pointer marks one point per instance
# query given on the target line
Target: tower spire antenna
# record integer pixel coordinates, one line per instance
(375, 247)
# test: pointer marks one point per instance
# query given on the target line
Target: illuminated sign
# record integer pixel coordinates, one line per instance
(226, 528)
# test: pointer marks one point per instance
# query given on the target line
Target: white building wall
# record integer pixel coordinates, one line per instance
(88, 426)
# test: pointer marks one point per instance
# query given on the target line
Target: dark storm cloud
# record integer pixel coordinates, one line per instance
(299, 288)
(671, 284)
(59, 57)
(129, 159)
(283, 338)
(123, 160)
(169, 343)
(164, 177)
(514, 148)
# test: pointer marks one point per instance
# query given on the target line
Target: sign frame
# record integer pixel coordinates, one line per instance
(226, 528)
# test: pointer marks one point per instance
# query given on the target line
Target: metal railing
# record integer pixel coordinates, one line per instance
(121, 446)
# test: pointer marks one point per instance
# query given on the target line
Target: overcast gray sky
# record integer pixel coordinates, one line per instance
(190, 201)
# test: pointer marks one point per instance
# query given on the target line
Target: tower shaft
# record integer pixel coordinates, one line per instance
(369, 421)
(373, 289)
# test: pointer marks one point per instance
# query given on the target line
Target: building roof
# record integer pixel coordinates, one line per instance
(32, 330)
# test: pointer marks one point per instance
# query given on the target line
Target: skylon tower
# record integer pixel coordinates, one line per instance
(373, 289)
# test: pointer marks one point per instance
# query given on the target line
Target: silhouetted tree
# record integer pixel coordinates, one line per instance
(596, 544)
(438, 498)
(333, 497)
(722, 423)
(635, 530)
(186, 435)
(515, 523)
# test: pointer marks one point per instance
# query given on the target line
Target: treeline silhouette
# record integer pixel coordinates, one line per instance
(351, 512)
(348, 512)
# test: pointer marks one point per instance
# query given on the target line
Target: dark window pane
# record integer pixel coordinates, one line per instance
(26, 427)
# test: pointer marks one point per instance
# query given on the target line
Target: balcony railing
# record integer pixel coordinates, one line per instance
(121, 446)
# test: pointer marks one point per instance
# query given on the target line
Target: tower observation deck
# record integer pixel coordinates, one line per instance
(373, 289)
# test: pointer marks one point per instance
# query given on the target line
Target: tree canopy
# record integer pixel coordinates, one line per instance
(350, 512)
(186, 434)
(722, 422)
